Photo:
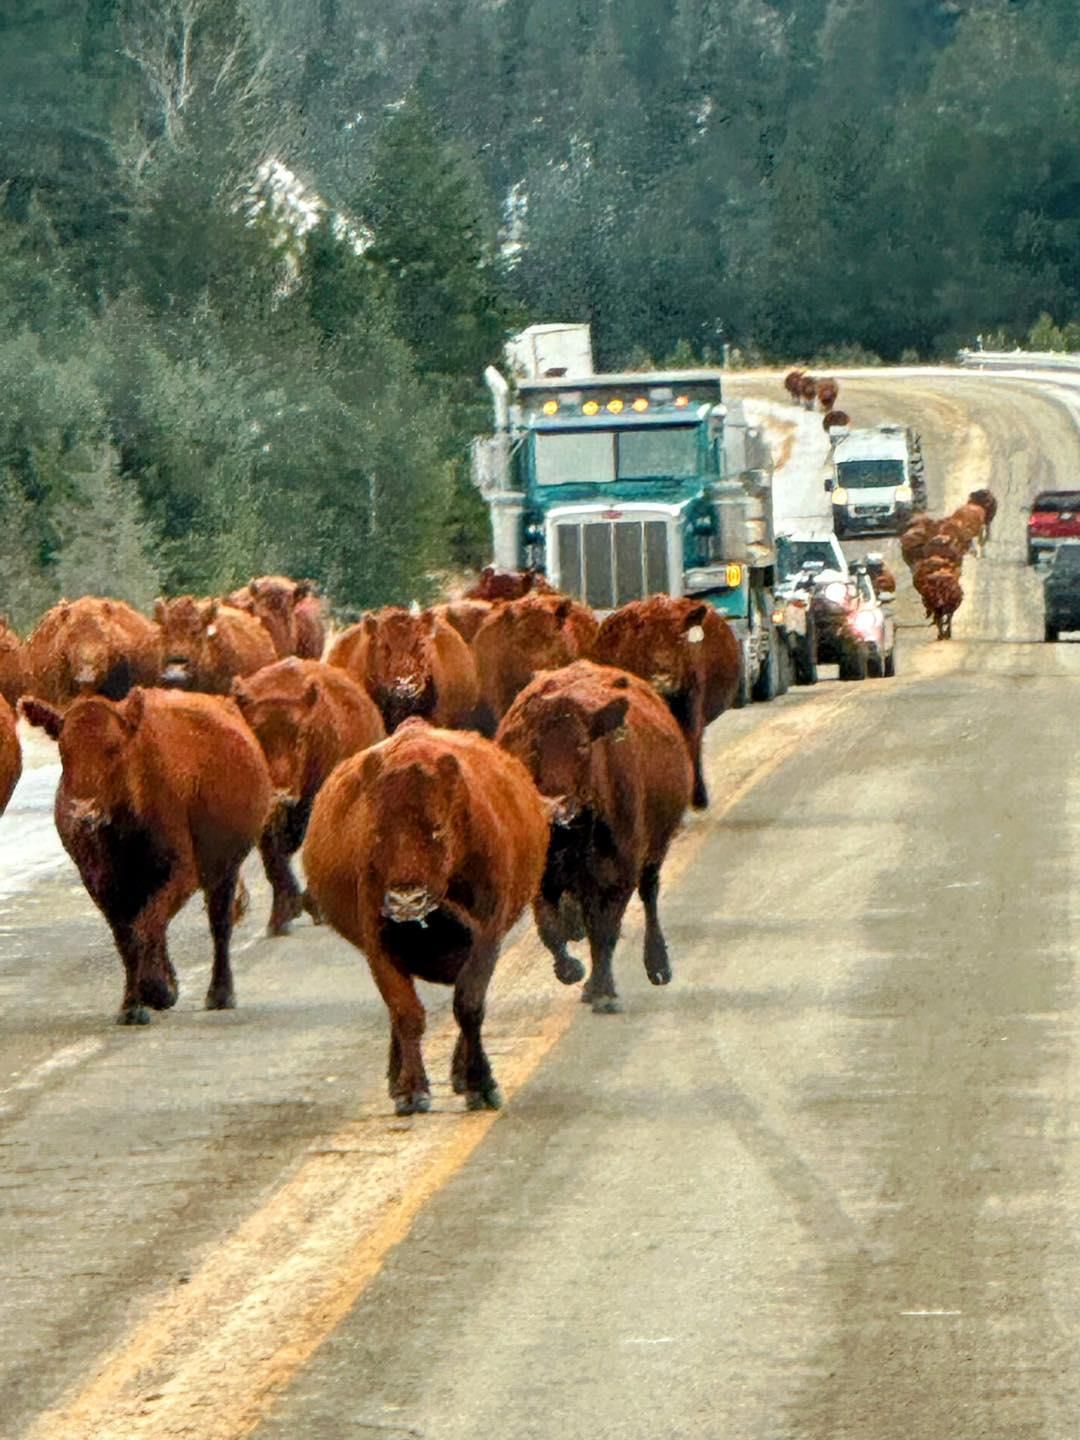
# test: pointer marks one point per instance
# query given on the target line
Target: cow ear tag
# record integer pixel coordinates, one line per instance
(695, 635)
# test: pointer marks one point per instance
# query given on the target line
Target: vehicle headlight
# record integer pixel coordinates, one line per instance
(839, 496)
(903, 493)
(835, 594)
(865, 621)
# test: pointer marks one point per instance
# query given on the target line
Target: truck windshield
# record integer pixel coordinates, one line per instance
(868, 474)
(599, 457)
(792, 555)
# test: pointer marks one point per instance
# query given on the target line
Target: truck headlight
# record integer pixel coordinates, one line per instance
(839, 496)
(903, 494)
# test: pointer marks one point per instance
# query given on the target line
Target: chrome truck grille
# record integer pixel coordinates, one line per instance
(607, 563)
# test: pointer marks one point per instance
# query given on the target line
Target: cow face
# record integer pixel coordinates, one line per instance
(536, 633)
(420, 807)
(283, 725)
(94, 738)
(274, 601)
(88, 645)
(564, 728)
(400, 661)
(183, 623)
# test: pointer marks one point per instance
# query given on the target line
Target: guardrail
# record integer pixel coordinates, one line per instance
(1017, 360)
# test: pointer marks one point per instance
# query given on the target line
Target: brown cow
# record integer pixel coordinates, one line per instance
(538, 632)
(914, 540)
(931, 565)
(793, 384)
(423, 852)
(206, 645)
(835, 420)
(827, 392)
(273, 600)
(10, 754)
(466, 616)
(14, 669)
(508, 585)
(970, 519)
(808, 391)
(307, 717)
(688, 653)
(942, 594)
(92, 646)
(162, 794)
(410, 663)
(606, 751)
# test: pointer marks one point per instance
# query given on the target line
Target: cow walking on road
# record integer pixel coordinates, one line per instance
(162, 794)
(423, 851)
(606, 752)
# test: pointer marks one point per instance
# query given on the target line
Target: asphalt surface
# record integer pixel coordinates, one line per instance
(822, 1187)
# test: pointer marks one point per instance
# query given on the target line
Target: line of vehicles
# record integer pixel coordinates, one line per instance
(619, 486)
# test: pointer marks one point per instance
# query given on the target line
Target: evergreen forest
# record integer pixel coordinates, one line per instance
(255, 254)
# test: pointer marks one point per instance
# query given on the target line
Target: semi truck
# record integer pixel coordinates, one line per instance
(618, 486)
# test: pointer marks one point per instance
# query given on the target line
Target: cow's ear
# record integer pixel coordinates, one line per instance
(427, 621)
(695, 616)
(106, 607)
(253, 588)
(208, 611)
(621, 682)
(135, 707)
(239, 694)
(36, 712)
(302, 589)
(608, 718)
(563, 609)
(310, 697)
(369, 626)
(159, 610)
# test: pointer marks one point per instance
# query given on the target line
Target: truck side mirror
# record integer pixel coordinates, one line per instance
(829, 483)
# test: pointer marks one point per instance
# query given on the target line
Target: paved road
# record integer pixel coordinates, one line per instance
(823, 1187)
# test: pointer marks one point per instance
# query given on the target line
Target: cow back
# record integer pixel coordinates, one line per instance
(14, 669)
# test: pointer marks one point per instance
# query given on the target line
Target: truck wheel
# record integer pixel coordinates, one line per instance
(1031, 555)
(806, 659)
(1050, 632)
(890, 663)
(875, 665)
(853, 662)
(742, 695)
(768, 682)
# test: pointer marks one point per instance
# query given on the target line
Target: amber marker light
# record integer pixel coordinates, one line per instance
(615, 406)
(641, 404)
(682, 401)
(590, 408)
(733, 575)
(551, 407)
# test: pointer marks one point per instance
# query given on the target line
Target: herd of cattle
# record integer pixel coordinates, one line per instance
(441, 768)
(804, 389)
(934, 551)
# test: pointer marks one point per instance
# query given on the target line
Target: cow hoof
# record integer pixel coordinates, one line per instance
(569, 971)
(489, 1098)
(606, 1005)
(220, 1000)
(309, 904)
(134, 1015)
(700, 799)
(276, 930)
(157, 994)
(412, 1104)
(660, 975)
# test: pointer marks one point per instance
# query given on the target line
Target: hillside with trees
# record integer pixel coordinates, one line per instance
(255, 254)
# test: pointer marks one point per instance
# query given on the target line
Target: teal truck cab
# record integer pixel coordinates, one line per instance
(620, 486)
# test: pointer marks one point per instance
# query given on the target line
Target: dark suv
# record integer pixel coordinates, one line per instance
(1061, 590)
(1055, 516)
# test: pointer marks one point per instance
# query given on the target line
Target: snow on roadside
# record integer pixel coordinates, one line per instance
(800, 447)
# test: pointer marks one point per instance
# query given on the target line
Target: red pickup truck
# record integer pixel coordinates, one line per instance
(1055, 516)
